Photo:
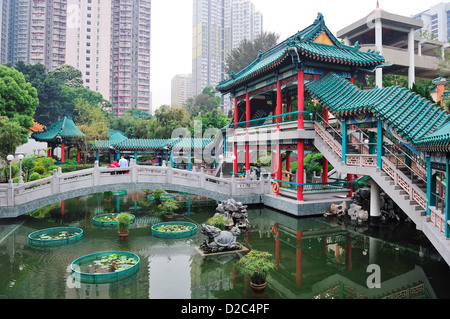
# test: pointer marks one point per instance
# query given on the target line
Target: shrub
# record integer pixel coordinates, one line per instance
(34, 176)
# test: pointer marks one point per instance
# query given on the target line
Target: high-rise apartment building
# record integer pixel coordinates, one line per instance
(19, 31)
(181, 89)
(130, 67)
(436, 21)
(48, 32)
(89, 40)
(218, 27)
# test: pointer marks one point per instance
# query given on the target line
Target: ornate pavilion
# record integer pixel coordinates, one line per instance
(64, 134)
(390, 123)
(275, 84)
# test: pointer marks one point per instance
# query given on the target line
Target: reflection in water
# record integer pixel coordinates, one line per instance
(315, 257)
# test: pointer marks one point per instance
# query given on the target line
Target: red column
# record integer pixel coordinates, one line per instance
(279, 100)
(350, 186)
(247, 118)
(298, 259)
(352, 80)
(63, 150)
(78, 155)
(324, 170)
(300, 126)
(288, 160)
(49, 152)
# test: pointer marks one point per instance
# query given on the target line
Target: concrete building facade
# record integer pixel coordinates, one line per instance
(89, 42)
(395, 37)
(181, 89)
(218, 27)
(48, 32)
(436, 22)
(130, 67)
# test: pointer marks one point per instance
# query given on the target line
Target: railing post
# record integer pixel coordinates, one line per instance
(10, 193)
(169, 174)
(133, 170)
(96, 174)
(55, 182)
(202, 178)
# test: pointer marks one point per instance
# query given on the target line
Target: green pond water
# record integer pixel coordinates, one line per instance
(316, 257)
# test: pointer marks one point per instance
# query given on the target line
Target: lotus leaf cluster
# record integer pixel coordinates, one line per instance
(59, 235)
(174, 228)
(112, 263)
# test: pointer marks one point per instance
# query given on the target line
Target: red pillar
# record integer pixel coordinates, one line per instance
(63, 211)
(247, 118)
(352, 80)
(350, 185)
(63, 151)
(324, 170)
(279, 100)
(300, 126)
(288, 160)
(78, 155)
(298, 259)
(49, 152)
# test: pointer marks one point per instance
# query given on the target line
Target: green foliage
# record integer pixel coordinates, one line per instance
(18, 99)
(219, 221)
(256, 266)
(11, 135)
(247, 51)
(124, 221)
(157, 193)
(67, 75)
(34, 176)
(169, 206)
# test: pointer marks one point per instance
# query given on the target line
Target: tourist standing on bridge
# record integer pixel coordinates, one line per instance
(123, 163)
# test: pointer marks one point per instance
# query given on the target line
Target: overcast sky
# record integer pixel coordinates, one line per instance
(171, 39)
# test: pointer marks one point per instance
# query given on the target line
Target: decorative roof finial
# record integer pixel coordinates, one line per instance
(319, 19)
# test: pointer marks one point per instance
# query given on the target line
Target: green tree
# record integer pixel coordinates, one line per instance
(167, 119)
(18, 99)
(11, 134)
(212, 119)
(204, 102)
(92, 121)
(67, 75)
(248, 51)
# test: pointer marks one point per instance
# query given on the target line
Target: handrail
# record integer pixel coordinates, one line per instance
(272, 117)
(403, 164)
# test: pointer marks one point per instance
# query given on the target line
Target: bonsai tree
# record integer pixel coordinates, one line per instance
(219, 221)
(168, 207)
(123, 223)
(157, 194)
(255, 266)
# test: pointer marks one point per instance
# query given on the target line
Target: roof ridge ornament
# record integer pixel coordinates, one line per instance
(319, 19)
(357, 46)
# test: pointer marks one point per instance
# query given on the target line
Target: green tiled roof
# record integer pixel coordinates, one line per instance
(411, 116)
(151, 144)
(303, 41)
(438, 141)
(65, 128)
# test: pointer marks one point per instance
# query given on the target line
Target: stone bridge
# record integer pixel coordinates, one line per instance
(18, 199)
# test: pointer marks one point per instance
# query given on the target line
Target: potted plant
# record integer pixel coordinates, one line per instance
(168, 207)
(255, 266)
(157, 194)
(123, 224)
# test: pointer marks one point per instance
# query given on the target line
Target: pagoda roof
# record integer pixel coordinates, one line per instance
(410, 115)
(64, 128)
(37, 127)
(127, 144)
(315, 43)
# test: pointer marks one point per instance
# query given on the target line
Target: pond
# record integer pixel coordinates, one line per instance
(316, 257)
